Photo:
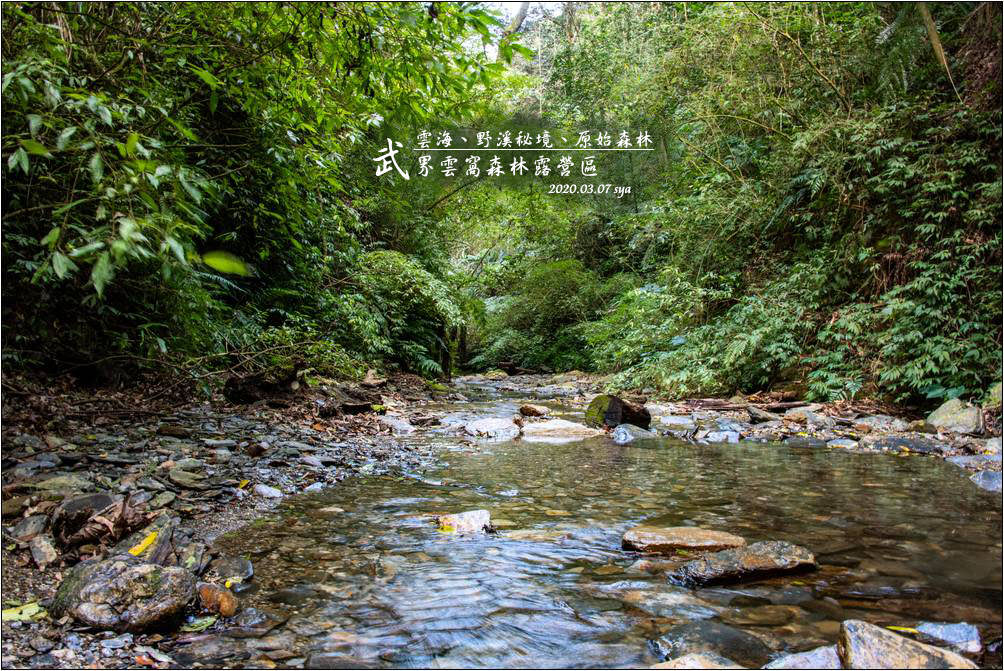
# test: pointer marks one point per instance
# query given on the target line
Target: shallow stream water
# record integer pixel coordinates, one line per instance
(361, 572)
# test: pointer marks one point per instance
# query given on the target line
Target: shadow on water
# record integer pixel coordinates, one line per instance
(362, 572)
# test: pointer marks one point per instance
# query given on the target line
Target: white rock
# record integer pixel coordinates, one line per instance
(558, 431)
(466, 522)
(268, 492)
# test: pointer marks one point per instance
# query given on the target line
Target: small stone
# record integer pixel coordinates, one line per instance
(174, 430)
(266, 491)
(239, 568)
(842, 443)
(13, 507)
(667, 540)
(187, 479)
(866, 646)
(961, 636)
(43, 551)
(956, 416)
(466, 522)
(225, 443)
(397, 425)
(992, 446)
(222, 455)
(628, 433)
(316, 487)
(311, 460)
(825, 657)
(531, 410)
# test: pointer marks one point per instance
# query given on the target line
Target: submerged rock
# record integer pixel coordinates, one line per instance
(698, 660)
(627, 433)
(466, 522)
(865, 646)
(905, 442)
(124, 594)
(498, 428)
(758, 560)
(607, 410)
(707, 637)
(962, 636)
(667, 540)
(956, 416)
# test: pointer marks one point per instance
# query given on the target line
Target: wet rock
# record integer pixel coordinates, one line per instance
(905, 442)
(267, 491)
(667, 540)
(43, 551)
(217, 599)
(628, 433)
(558, 430)
(497, 428)
(234, 568)
(762, 616)
(956, 416)
(466, 522)
(669, 601)
(988, 480)
(961, 636)
(807, 442)
(330, 660)
(124, 594)
(612, 411)
(697, 660)
(754, 561)
(29, 527)
(718, 437)
(530, 410)
(865, 646)
(824, 657)
(842, 443)
(705, 637)
(976, 461)
(397, 425)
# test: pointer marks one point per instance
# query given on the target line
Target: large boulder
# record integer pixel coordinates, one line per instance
(758, 560)
(124, 593)
(667, 540)
(706, 637)
(865, 646)
(607, 410)
(956, 416)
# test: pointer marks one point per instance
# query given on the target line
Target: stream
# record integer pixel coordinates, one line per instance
(360, 575)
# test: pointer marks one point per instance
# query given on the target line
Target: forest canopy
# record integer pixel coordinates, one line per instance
(192, 185)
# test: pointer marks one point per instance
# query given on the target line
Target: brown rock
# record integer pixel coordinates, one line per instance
(865, 646)
(666, 540)
(698, 660)
(758, 560)
(530, 410)
(217, 599)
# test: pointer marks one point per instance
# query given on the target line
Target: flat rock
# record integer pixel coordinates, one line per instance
(558, 430)
(466, 522)
(956, 416)
(988, 480)
(882, 423)
(65, 485)
(397, 425)
(708, 637)
(497, 428)
(240, 568)
(124, 594)
(865, 646)
(667, 540)
(842, 443)
(758, 560)
(678, 424)
(905, 442)
(187, 479)
(43, 551)
(824, 657)
(267, 491)
(961, 636)
(698, 660)
(29, 527)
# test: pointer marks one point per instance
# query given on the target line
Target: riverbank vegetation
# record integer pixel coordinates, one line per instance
(191, 187)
